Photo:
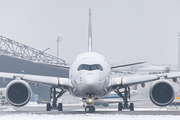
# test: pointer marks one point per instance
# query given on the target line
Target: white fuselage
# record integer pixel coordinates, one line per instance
(90, 74)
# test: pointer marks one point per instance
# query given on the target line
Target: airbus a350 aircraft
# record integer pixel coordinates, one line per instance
(90, 78)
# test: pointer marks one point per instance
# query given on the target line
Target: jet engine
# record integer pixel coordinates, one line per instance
(162, 93)
(18, 93)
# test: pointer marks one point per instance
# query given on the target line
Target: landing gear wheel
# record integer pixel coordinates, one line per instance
(88, 109)
(48, 107)
(92, 109)
(125, 99)
(120, 106)
(60, 107)
(131, 107)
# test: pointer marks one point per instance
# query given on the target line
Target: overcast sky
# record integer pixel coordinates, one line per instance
(123, 30)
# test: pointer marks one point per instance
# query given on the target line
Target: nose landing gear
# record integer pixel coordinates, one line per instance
(125, 105)
(90, 109)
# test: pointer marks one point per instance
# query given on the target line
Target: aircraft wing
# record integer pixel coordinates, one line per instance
(46, 80)
(124, 65)
(137, 79)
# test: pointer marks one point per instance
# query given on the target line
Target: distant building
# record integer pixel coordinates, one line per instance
(157, 69)
(179, 51)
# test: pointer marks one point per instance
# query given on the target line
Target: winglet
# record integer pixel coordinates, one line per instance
(90, 32)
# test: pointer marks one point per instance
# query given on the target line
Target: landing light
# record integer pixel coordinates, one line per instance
(90, 100)
(118, 82)
(61, 82)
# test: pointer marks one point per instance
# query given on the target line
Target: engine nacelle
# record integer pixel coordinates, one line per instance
(174, 79)
(162, 93)
(18, 93)
(143, 85)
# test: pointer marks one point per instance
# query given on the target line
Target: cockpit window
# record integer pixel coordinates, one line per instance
(93, 67)
(90, 67)
(86, 67)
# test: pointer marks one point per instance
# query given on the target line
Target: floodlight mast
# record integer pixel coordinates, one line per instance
(59, 39)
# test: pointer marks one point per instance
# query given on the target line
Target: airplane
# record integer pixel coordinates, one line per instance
(113, 97)
(90, 78)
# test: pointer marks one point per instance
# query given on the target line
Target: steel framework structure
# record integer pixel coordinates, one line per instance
(12, 48)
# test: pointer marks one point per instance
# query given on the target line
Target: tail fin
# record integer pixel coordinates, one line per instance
(135, 87)
(90, 32)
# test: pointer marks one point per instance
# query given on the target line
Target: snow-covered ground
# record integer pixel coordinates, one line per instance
(28, 116)
(10, 108)
(87, 117)
(34, 104)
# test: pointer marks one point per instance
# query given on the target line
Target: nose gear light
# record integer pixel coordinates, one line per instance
(90, 100)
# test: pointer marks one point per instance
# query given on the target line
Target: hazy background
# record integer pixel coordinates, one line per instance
(123, 30)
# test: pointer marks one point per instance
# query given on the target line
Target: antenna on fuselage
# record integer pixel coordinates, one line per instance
(90, 32)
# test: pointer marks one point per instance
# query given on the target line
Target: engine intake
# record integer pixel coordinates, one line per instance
(162, 93)
(18, 93)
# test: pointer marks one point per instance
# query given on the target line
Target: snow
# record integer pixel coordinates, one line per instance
(87, 117)
(8, 109)
(95, 116)
(34, 104)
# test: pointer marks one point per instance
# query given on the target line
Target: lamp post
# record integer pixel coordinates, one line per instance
(59, 39)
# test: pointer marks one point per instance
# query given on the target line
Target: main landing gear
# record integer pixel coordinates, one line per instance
(54, 98)
(125, 97)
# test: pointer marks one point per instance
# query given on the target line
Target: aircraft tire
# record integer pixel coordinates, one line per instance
(60, 107)
(92, 109)
(131, 107)
(48, 107)
(88, 109)
(120, 106)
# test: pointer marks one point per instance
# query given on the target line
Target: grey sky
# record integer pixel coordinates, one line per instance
(123, 30)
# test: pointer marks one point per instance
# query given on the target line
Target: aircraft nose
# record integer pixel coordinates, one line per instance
(90, 84)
